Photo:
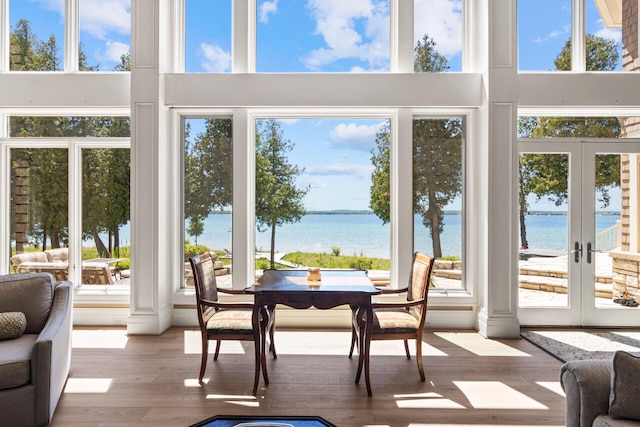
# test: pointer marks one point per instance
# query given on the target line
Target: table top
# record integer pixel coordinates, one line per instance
(295, 281)
(104, 260)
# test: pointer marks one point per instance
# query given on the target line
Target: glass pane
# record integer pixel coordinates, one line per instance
(437, 26)
(322, 198)
(604, 35)
(544, 32)
(106, 200)
(208, 194)
(569, 127)
(37, 35)
(544, 230)
(105, 37)
(437, 190)
(296, 36)
(617, 255)
(80, 127)
(208, 36)
(39, 211)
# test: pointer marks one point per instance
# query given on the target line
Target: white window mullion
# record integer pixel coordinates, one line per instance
(4, 36)
(401, 35)
(578, 40)
(72, 36)
(243, 49)
(75, 213)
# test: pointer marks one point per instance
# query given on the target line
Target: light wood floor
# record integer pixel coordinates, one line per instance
(117, 380)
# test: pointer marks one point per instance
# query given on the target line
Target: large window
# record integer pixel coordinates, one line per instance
(438, 25)
(38, 42)
(208, 36)
(208, 194)
(547, 29)
(317, 182)
(437, 196)
(44, 171)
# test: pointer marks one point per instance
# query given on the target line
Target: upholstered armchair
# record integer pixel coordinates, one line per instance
(35, 350)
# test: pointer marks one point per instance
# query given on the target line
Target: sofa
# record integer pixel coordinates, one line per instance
(602, 392)
(35, 354)
(56, 262)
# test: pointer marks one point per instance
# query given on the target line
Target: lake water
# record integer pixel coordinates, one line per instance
(364, 234)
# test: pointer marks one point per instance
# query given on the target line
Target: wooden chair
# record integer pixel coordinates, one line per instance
(401, 320)
(228, 320)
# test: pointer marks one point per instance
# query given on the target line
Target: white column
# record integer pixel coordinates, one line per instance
(495, 240)
(151, 194)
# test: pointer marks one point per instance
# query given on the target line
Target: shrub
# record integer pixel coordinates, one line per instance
(335, 250)
(191, 250)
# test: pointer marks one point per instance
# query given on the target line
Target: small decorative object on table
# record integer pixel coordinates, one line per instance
(314, 278)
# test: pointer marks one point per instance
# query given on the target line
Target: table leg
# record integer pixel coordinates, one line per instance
(265, 316)
(257, 338)
(361, 331)
(366, 345)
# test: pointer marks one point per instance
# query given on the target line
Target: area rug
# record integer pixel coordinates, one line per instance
(580, 344)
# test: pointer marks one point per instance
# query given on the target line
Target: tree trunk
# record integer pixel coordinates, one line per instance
(102, 249)
(435, 235)
(273, 244)
(522, 212)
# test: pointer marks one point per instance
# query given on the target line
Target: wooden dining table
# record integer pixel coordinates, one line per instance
(336, 288)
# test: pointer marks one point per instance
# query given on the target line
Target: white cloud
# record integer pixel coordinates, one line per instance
(215, 59)
(442, 21)
(554, 34)
(357, 137)
(99, 22)
(267, 8)
(614, 34)
(55, 5)
(359, 170)
(113, 51)
(314, 183)
(337, 22)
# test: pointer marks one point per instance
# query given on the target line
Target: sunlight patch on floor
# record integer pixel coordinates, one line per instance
(109, 338)
(425, 401)
(553, 386)
(482, 395)
(480, 346)
(239, 400)
(88, 385)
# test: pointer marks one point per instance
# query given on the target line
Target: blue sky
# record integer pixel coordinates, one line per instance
(314, 36)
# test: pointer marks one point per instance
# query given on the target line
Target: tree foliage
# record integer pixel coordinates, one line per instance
(278, 199)
(546, 175)
(437, 159)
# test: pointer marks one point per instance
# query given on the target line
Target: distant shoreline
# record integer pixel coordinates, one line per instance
(450, 212)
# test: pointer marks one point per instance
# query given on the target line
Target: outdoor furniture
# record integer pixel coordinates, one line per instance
(226, 320)
(336, 287)
(399, 320)
(35, 360)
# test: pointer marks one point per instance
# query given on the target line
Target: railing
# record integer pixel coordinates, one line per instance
(609, 238)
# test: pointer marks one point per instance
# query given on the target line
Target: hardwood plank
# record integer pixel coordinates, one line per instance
(117, 380)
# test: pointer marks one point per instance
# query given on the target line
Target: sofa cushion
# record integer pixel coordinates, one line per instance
(15, 361)
(57, 255)
(625, 386)
(32, 294)
(608, 421)
(18, 259)
(12, 325)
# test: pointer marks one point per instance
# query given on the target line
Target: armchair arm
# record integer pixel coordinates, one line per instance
(218, 304)
(52, 354)
(232, 291)
(586, 384)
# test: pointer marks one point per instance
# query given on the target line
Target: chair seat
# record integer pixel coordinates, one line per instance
(231, 322)
(394, 321)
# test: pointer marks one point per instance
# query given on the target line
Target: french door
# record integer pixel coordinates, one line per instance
(578, 223)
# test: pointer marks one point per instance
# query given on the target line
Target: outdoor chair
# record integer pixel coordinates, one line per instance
(228, 320)
(401, 320)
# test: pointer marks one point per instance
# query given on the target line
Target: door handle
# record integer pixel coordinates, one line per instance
(577, 252)
(590, 251)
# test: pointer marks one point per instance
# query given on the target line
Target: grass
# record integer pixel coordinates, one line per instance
(324, 260)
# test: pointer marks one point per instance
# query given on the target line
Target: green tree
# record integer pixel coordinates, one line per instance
(278, 199)
(437, 158)
(545, 175)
